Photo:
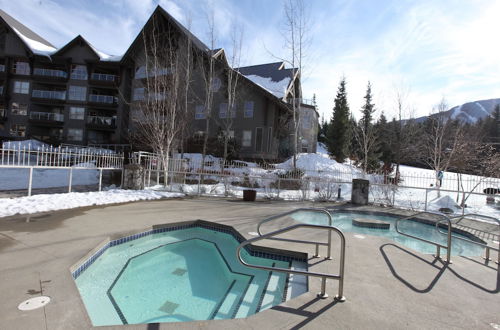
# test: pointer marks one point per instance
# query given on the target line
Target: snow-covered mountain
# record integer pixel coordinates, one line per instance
(470, 112)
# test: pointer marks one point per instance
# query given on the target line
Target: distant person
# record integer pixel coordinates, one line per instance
(440, 175)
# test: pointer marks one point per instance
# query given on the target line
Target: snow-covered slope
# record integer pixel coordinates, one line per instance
(470, 112)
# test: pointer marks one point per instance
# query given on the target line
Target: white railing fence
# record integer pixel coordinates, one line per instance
(67, 158)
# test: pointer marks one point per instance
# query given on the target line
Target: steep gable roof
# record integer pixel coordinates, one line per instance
(79, 39)
(33, 42)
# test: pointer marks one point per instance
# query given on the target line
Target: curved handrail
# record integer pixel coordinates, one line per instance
(324, 211)
(438, 246)
(486, 246)
(324, 276)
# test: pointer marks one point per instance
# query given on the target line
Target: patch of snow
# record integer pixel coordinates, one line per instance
(321, 149)
(456, 112)
(36, 46)
(443, 202)
(53, 202)
(277, 88)
(105, 57)
(483, 109)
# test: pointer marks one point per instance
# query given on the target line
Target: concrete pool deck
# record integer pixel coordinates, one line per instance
(387, 285)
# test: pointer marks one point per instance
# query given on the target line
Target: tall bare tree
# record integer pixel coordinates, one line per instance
(441, 139)
(295, 33)
(158, 114)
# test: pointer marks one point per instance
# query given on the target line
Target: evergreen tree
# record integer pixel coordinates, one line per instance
(322, 131)
(338, 137)
(385, 140)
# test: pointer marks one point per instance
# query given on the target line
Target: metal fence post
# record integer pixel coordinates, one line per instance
(279, 184)
(199, 182)
(100, 179)
(70, 179)
(30, 181)
(425, 207)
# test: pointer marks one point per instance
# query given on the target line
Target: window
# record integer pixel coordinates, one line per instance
(305, 145)
(138, 94)
(259, 137)
(140, 72)
(233, 111)
(269, 139)
(75, 134)
(200, 112)
(248, 112)
(19, 109)
(76, 113)
(21, 68)
(247, 139)
(79, 72)
(18, 130)
(77, 93)
(22, 87)
(199, 135)
(216, 83)
(223, 110)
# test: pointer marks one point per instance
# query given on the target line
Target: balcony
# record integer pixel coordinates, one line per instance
(3, 115)
(49, 74)
(103, 99)
(103, 79)
(51, 96)
(47, 118)
(301, 101)
(100, 122)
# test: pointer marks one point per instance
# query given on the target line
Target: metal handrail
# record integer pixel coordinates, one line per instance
(330, 223)
(486, 246)
(324, 276)
(438, 246)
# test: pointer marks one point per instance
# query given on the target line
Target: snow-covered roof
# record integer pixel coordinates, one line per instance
(273, 77)
(36, 46)
(277, 88)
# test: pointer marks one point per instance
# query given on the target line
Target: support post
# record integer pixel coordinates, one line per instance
(100, 179)
(70, 179)
(323, 294)
(426, 192)
(30, 181)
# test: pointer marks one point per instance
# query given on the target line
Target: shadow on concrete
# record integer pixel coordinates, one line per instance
(406, 282)
(477, 285)
(484, 263)
(317, 259)
(309, 315)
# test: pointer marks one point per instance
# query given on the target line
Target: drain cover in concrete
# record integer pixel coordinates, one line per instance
(34, 303)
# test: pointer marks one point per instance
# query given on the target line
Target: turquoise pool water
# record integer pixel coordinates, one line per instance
(343, 221)
(183, 275)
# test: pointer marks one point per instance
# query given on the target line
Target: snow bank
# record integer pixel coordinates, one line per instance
(53, 202)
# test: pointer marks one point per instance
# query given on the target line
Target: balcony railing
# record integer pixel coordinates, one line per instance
(101, 121)
(301, 101)
(2, 67)
(103, 77)
(55, 95)
(2, 113)
(46, 116)
(50, 73)
(108, 99)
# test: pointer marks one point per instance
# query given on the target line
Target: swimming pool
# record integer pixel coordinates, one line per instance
(180, 274)
(343, 221)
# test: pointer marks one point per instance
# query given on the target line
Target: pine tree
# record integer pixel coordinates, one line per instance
(385, 140)
(338, 137)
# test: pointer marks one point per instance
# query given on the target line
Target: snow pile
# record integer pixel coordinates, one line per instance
(277, 88)
(45, 203)
(36, 46)
(443, 202)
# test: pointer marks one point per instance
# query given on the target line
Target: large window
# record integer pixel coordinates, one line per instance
(200, 112)
(77, 93)
(216, 84)
(223, 110)
(259, 138)
(75, 134)
(140, 72)
(138, 94)
(19, 109)
(22, 87)
(76, 113)
(247, 139)
(248, 109)
(21, 68)
(269, 139)
(79, 72)
(18, 130)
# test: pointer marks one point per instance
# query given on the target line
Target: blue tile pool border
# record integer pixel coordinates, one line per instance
(261, 252)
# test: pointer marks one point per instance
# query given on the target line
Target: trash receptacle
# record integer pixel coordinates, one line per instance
(249, 195)
(360, 190)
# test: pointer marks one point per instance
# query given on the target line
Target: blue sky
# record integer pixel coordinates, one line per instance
(428, 49)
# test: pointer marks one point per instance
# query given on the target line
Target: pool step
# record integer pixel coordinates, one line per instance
(273, 295)
(230, 302)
